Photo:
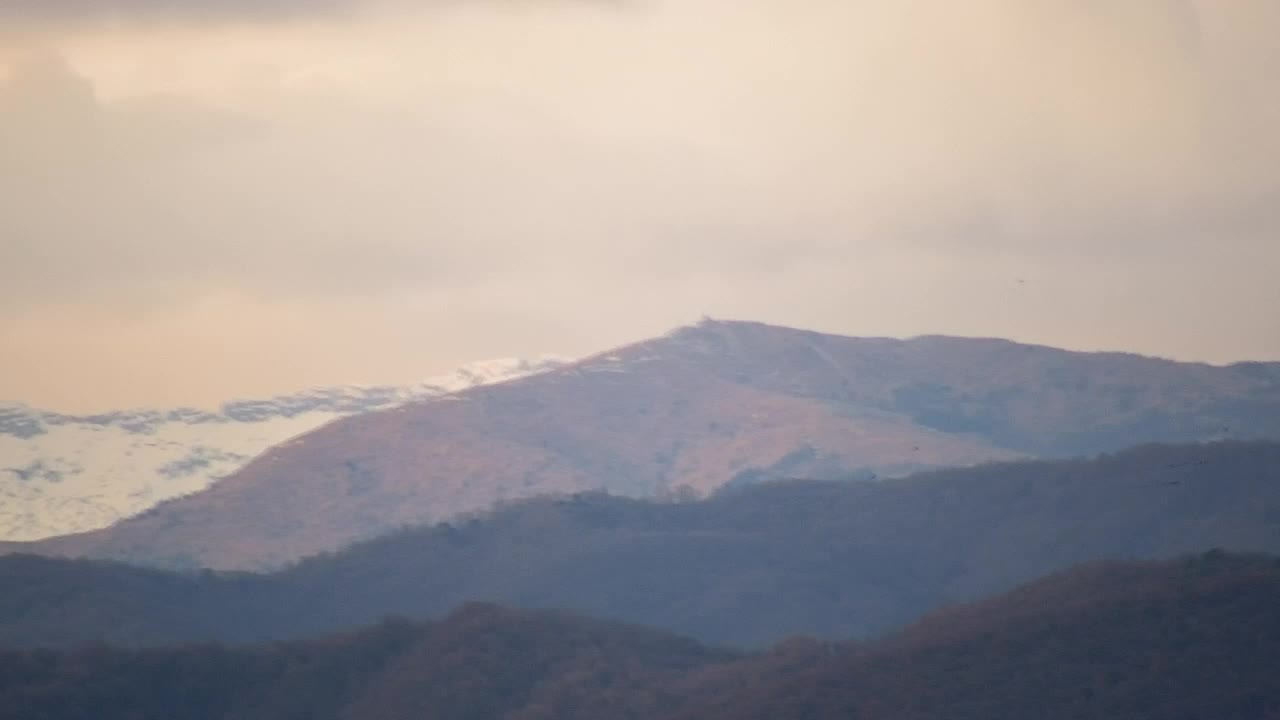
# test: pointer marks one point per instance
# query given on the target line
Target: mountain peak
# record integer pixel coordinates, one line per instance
(719, 403)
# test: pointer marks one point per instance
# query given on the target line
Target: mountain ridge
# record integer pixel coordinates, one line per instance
(747, 566)
(1188, 637)
(62, 473)
(691, 411)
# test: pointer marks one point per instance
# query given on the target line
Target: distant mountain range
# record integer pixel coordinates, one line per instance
(64, 473)
(720, 403)
(1188, 638)
(747, 567)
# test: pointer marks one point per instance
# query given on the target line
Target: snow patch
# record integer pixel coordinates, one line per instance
(62, 473)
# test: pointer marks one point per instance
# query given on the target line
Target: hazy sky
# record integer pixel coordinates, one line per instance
(201, 200)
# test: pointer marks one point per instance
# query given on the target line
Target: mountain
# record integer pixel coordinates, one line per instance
(748, 566)
(62, 473)
(705, 406)
(1190, 638)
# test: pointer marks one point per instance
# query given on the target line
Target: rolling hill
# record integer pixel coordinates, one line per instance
(1189, 638)
(482, 662)
(748, 566)
(1193, 638)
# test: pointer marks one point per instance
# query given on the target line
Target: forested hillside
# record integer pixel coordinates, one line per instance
(1189, 638)
(752, 565)
(482, 662)
(1194, 638)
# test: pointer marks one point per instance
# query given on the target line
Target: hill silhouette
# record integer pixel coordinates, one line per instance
(1189, 638)
(836, 559)
(1193, 638)
(481, 662)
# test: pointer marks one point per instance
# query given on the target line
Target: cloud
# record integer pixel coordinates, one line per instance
(480, 172)
(61, 11)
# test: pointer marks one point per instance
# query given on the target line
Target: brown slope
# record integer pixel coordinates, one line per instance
(696, 407)
(1030, 398)
(636, 433)
(1191, 638)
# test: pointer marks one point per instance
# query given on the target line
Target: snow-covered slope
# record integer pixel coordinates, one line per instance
(63, 473)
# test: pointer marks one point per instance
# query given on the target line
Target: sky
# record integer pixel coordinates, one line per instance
(205, 200)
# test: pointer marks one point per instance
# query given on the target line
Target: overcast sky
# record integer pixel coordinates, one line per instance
(202, 200)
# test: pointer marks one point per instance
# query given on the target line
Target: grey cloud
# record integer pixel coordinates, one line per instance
(79, 12)
(163, 199)
(101, 10)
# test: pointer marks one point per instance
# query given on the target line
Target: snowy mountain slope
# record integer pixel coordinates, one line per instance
(63, 473)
